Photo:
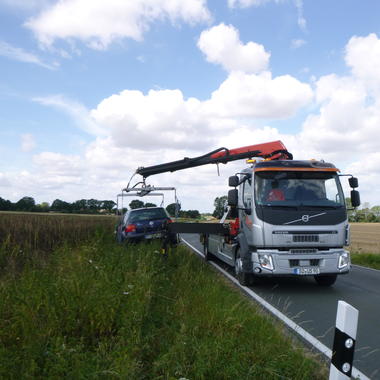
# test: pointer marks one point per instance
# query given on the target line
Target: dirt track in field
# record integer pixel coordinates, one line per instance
(365, 237)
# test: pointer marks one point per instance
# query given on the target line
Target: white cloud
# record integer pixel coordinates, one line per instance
(140, 129)
(161, 117)
(98, 23)
(297, 43)
(18, 54)
(248, 3)
(347, 124)
(363, 57)
(4, 181)
(59, 164)
(221, 45)
(300, 17)
(28, 142)
(259, 96)
(77, 111)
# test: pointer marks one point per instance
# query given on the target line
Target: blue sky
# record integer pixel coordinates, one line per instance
(91, 90)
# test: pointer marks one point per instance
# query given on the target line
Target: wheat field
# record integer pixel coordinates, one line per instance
(365, 238)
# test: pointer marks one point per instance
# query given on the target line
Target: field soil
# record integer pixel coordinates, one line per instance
(365, 238)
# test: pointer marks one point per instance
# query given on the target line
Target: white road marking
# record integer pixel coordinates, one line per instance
(288, 322)
(361, 267)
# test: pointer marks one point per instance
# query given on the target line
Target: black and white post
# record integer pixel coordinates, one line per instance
(344, 342)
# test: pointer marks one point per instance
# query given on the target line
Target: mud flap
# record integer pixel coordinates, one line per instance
(244, 253)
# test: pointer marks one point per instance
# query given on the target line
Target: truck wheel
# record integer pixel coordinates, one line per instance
(244, 278)
(325, 279)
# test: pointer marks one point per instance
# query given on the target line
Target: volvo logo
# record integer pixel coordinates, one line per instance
(151, 223)
(305, 218)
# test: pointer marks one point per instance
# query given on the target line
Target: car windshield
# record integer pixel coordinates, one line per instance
(292, 188)
(147, 214)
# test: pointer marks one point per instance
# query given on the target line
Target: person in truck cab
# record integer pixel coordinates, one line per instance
(275, 194)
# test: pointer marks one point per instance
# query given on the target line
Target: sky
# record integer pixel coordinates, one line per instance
(90, 90)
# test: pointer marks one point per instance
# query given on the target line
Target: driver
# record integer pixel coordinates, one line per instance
(275, 194)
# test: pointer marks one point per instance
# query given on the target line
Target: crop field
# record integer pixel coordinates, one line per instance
(75, 304)
(365, 237)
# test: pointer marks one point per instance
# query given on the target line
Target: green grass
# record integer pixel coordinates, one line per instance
(103, 311)
(371, 260)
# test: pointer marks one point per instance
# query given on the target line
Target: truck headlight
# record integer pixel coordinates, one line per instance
(266, 261)
(344, 260)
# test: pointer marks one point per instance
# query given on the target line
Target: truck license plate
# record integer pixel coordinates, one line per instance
(306, 271)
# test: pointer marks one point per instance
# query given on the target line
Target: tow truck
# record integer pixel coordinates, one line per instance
(290, 215)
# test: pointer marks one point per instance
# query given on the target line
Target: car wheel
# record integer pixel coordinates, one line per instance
(326, 279)
(244, 278)
(119, 236)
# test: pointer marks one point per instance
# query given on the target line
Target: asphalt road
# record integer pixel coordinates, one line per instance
(314, 307)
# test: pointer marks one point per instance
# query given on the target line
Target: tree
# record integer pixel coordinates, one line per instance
(61, 206)
(136, 203)
(5, 205)
(376, 210)
(25, 204)
(219, 203)
(150, 205)
(79, 206)
(93, 205)
(193, 214)
(172, 207)
(42, 207)
(108, 205)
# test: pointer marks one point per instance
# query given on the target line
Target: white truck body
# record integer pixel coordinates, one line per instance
(303, 233)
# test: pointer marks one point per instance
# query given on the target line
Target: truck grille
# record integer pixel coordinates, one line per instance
(305, 238)
(300, 251)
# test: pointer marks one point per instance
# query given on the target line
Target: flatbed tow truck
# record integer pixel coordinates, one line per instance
(290, 215)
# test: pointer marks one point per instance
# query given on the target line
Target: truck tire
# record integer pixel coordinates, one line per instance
(326, 279)
(244, 278)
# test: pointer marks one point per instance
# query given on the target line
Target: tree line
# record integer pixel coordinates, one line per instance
(82, 206)
(87, 206)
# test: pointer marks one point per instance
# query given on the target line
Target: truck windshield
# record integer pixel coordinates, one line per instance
(292, 188)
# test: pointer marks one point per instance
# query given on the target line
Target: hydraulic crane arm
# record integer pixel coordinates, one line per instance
(274, 150)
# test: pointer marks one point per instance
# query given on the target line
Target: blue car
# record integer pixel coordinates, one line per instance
(144, 224)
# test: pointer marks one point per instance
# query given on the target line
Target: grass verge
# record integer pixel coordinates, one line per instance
(370, 260)
(104, 311)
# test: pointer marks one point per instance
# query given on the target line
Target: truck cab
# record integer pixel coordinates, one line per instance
(292, 222)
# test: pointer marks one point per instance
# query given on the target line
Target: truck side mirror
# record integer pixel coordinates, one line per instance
(233, 181)
(232, 198)
(355, 198)
(353, 181)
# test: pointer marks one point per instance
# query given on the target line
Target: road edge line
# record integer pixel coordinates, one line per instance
(286, 320)
(363, 267)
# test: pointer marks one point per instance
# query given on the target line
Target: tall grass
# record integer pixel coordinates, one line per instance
(103, 311)
(31, 237)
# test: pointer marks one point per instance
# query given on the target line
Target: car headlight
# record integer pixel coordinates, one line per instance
(344, 260)
(266, 261)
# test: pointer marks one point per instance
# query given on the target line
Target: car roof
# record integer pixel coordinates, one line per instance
(146, 208)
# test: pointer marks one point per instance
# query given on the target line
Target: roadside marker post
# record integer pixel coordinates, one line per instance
(344, 342)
